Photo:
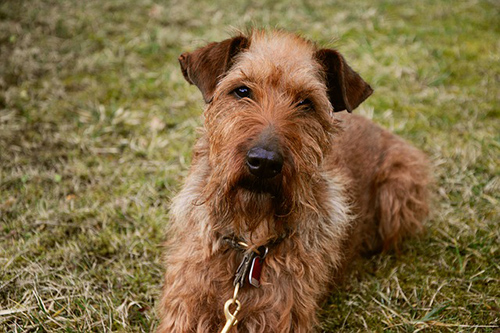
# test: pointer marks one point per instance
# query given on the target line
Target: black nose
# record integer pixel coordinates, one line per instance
(264, 163)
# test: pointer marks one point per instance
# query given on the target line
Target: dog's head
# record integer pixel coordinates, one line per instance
(270, 98)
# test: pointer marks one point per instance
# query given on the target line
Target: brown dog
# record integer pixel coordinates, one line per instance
(282, 191)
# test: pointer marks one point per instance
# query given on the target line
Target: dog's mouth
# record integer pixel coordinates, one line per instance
(254, 184)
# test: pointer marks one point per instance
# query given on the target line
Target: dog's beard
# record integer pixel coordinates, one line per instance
(241, 201)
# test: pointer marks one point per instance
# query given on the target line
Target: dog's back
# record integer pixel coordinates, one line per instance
(389, 183)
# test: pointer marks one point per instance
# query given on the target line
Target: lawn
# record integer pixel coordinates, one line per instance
(96, 129)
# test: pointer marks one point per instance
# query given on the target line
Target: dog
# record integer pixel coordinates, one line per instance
(284, 190)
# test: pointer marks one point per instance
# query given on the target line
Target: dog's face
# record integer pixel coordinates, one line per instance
(269, 118)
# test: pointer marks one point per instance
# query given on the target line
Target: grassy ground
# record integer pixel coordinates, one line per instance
(96, 125)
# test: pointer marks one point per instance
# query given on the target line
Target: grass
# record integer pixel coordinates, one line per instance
(96, 125)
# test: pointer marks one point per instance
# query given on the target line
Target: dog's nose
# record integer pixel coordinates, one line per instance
(264, 163)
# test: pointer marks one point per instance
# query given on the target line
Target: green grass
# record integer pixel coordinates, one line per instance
(97, 123)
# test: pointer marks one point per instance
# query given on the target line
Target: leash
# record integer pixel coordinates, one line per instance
(249, 269)
(231, 317)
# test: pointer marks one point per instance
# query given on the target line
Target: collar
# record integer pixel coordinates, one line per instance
(243, 246)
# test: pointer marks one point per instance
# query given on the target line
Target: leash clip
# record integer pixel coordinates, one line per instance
(231, 317)
(249, 268)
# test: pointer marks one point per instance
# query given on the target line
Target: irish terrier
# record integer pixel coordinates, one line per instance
(283, 191)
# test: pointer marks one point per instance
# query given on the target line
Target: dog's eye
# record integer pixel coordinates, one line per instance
(306, 104)
(242, 92)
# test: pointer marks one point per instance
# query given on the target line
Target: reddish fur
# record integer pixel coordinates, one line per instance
(346, 186)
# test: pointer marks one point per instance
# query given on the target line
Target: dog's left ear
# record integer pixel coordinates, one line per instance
(346, 89)
(205, 67)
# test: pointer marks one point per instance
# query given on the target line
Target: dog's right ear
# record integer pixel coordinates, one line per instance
(205, 67)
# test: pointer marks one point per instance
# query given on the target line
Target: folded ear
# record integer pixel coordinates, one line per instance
(206, 66)
(346, 89)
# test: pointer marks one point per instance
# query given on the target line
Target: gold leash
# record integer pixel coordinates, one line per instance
(231, 317)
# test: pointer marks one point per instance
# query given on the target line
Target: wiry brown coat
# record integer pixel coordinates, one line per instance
(346, 185)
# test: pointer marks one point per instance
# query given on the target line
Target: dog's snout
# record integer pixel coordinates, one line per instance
(264, 163)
